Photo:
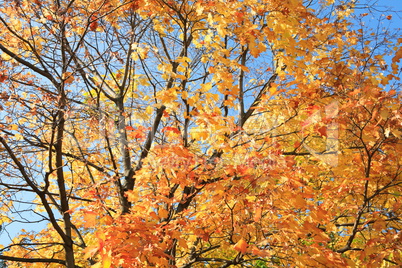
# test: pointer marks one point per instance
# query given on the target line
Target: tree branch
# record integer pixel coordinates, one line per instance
(34, 260)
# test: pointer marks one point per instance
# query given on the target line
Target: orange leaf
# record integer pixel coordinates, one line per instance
(163, 213)
(90, 251)
(258, 213)
(297, 144)
(172, 129)
(380, 225)
(241, 246)
(258, 252)
(89, 219)
(68, 77)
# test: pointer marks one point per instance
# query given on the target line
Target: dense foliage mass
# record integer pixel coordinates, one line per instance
(199, 133)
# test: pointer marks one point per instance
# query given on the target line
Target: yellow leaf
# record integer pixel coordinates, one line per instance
(18, 137)
(149, 110)
(180, 76)
(272, 90)
(199, 134)
(397, 133)
(107, 260)
(5, 57)
(183, 59)
(205, 87)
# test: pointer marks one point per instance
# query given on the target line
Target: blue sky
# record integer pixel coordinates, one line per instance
(385, 7)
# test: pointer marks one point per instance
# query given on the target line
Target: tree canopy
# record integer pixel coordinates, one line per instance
(200, 133)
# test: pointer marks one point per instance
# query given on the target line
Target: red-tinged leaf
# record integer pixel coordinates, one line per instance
(172, 129)
(137, 133)
(323, 131)
(135, 5)
(2, 78)
(93, 25)
(297, 144)
(258, 252)
(294, 104)
(311, 109)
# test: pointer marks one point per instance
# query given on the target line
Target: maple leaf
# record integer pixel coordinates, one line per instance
(241, 246)
(90, 219)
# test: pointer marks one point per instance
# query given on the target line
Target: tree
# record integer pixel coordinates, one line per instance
(152, 133)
